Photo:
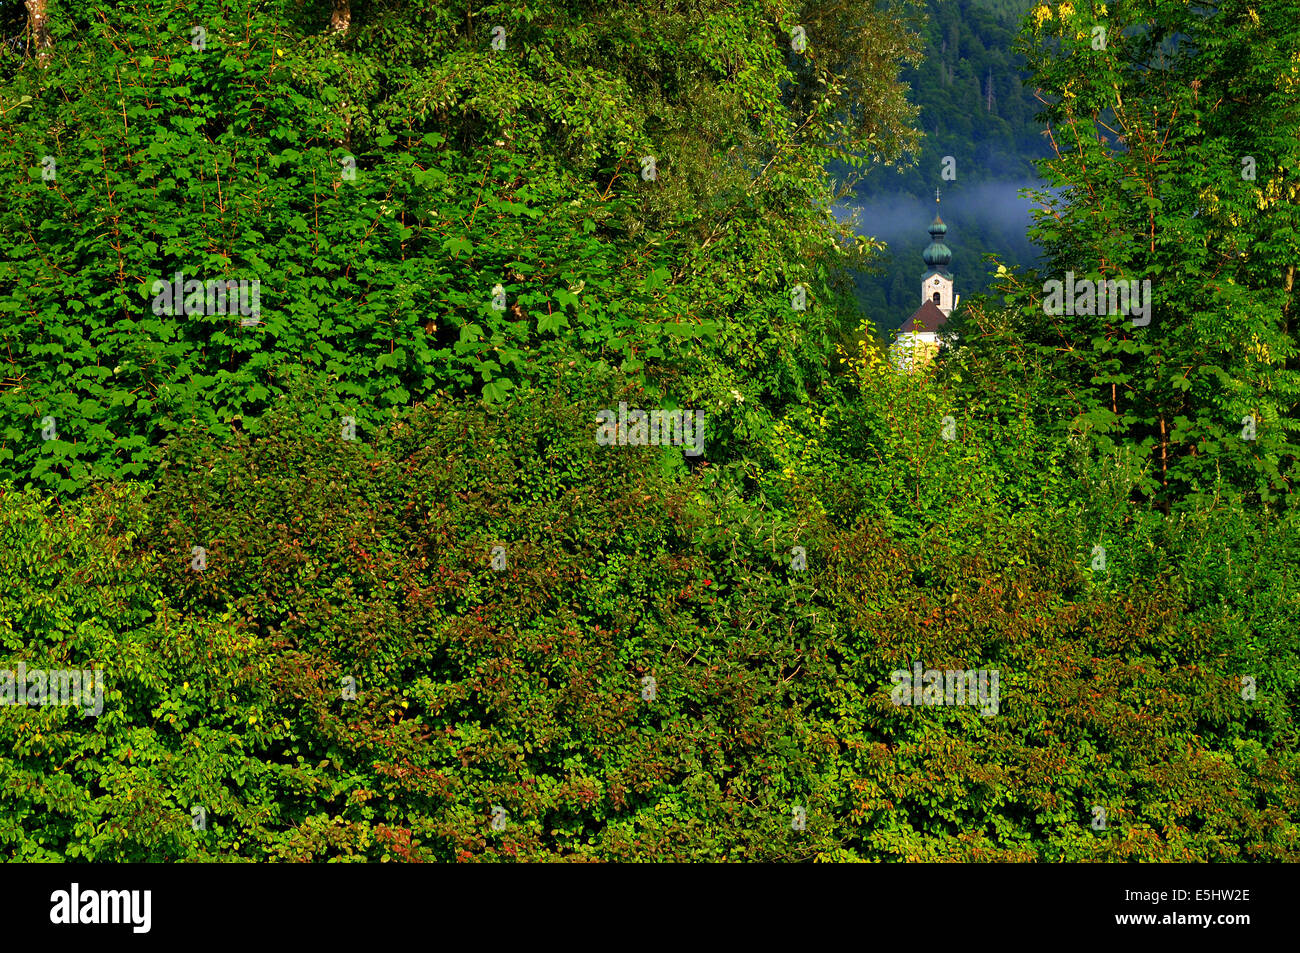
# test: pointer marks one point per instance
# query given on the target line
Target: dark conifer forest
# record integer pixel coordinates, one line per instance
(470, 431)
(982, 140)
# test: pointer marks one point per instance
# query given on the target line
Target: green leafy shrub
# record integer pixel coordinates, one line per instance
(523, 688)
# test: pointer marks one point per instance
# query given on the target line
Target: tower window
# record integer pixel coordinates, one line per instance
(936, 297)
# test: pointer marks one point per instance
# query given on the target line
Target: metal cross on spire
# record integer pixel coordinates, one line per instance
(936, 196)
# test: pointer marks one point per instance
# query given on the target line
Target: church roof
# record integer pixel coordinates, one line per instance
(928, 317)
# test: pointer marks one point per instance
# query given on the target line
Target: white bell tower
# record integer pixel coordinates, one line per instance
(936, 284)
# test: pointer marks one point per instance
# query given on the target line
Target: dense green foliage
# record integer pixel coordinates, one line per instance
(1178, 164)
(474, 168)
(523, 687)
(467, 630)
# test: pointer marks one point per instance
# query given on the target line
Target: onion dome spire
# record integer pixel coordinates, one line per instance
(938, 255)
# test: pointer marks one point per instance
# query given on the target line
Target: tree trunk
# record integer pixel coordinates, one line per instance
(342, 17)
(38, 22)
(1164, 453)
(1288, 283)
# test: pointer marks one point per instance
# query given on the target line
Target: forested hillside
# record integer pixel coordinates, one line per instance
(449, 432)
(976, 111)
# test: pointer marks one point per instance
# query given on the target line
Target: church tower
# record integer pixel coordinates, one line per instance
(918, 338)
(936, 284)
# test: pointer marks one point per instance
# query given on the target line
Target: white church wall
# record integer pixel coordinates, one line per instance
(935, 282)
